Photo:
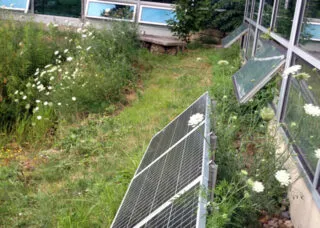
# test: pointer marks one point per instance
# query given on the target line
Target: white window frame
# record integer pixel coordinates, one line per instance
(25, 10)
(111, 18)
(153, 7)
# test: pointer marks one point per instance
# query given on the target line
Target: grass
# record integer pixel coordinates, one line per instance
(81, 180)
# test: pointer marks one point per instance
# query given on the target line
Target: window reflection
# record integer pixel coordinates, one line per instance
(256, 9)
(68, 8)
(250, 42)
(285, 17)
(309, 39)
(267, 13)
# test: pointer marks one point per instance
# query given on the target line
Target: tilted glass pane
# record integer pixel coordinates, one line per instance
(68, 8)
(110, 10)
(256, 10)
(258, 70)
(233, 36)
(284, 18)
(156, 15)
(14, 4)
(309, 39)
(267, 13)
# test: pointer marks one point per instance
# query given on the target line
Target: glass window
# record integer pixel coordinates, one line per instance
(15, 4)
(267, 13)
(256, 9)
(155, 15)
(249, 8)
(284, 18)
(258, 70)
(304, 128)
(162, 1)
(250, 40)
(105, 10)
(67, 8)
(309, 39)
(235, 35)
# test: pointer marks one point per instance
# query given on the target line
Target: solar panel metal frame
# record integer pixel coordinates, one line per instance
(201, 180)
(236, 37)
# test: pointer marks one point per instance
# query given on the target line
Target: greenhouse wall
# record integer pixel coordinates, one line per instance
(294, 27)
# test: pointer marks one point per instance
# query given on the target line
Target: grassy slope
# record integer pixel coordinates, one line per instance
(81, 183)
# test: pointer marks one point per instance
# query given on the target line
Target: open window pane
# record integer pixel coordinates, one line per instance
(155, 15)
(110, 10)
(235, 35)
(284, 18)
(258, 70)
(15, 4)
(309, 39)
(67, 8)
(267, 13)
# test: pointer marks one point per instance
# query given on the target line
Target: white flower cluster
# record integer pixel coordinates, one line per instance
(317, 153)
(257, 186)
(312, 110)
(195, 119)
(283, 177)
(223, 62)
(291, 70)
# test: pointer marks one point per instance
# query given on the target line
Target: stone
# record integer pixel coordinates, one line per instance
(155, 48)
(288, 224)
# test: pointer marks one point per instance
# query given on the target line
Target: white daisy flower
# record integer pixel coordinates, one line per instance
(88, 48)
(27, 106)
(59, 104)
(24, 97)
(56, 52)
(74, 98)
(45, 103)
(65, 51)
(69, 59)
(38, 101)
(39, 117)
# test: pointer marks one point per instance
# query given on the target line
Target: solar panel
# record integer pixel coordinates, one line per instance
(257, 71)
(166, 190)
(234, 35)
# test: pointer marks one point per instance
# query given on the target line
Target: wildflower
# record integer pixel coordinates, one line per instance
(317, 153)
(87, 24)
(195, 119)
(35, 109)
(16, 92)
(45, 103)
(27, 106)
(84, 35)
(49, 87)
(293, 124)
(257, 186)
(39, 117)
(56, 52)
(283, 177)
(267, 113)
(74, 98)
(78, 47)
(21, 93)
(302, 76)
(69, 59)
(47, 66)
(51, 78)
(55, 25)
(88, 48)
(292, 70)
(65, 51)
(223, 62)
(43, 73)
(16, 100)
(38, 101)
(244, 172)
(199, 59)
(28, 84)
(312, 110)
(24, 97)
(50, 104)
(59, 104)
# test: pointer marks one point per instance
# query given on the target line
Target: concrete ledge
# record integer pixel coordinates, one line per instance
(162, 40)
